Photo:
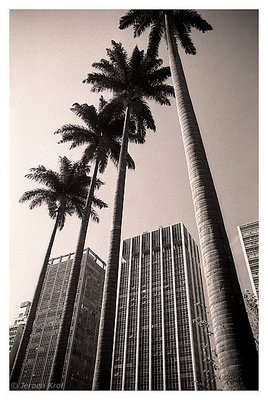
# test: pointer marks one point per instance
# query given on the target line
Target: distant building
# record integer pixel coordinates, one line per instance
(81, 350)
(161, 334)
(249, 236)
(16, 330)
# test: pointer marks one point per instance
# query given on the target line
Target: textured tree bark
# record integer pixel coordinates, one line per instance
(59, 358)
(102, 375)
(15, 372)
(236, 351)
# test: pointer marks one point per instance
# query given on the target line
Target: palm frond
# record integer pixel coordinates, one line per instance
(140, 19)
(105, 66)
(103, 160)
(62, 220)
(76, 134)
(192, 19)
(87, 113)
(44, 176)
(128, 19)
(99, 203)
(159, 94)
(130, 162)
(94, 216)
(79, 207)
(183, 33)
(102, 82)
(143, 116)
(46, 195)
(102, 103)
(99, 183)
(136, 64)
(156, 33)
(159, 76)
(118, 57)
(89, 154)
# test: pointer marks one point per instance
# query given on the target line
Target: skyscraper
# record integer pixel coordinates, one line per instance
(249, 237)
(161, 335)
(16, 331)
(81, 350)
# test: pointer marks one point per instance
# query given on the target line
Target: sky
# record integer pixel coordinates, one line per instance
(51, 52)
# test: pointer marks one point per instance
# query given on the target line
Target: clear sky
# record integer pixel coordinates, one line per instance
(51, 52)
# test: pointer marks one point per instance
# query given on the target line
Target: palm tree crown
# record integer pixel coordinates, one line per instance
(182, 22)
(101, 134)
(65, 191)
(133, 81)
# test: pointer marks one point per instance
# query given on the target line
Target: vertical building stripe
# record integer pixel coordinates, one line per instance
(138, 318)
(150, 311)
(117, 311)
(127, 314)
(175, 305)
(162, 306)
(186, 266)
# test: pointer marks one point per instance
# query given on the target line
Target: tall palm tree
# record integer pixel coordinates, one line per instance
(238, 362)
(132, 81)
(64, 193)
(100, 134)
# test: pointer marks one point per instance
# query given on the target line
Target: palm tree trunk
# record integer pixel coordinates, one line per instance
(16, 369)
(58, 363)
(236, 351)
(102, 375)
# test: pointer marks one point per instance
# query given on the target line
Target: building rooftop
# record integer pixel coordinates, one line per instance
(70, 256)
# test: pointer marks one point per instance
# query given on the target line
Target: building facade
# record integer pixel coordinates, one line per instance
(249, 237)
(16, 331)
(81, 349)
(161, 335)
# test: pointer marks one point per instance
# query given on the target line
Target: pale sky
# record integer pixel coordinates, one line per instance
(51, 52)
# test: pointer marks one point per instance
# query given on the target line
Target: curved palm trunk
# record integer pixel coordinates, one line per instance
(58, 362)
(102, 374)
(16, 369)
(236, 351)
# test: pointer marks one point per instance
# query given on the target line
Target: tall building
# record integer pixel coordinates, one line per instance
(81, 349)
(16, 331)
(249, 237)
(161, 334)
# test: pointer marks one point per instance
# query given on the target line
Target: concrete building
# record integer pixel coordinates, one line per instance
(81, 350)
(161, 334)
(249, 237)
(16, 331)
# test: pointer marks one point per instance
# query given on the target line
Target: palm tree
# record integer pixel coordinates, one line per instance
(64, 193)
(101, 135)
(132, 80)
(238, 362)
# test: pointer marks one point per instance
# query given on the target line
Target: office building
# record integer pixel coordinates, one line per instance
(161, 335)
(81, 349)
(16, 331)
(249, 237)
(20, 321)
